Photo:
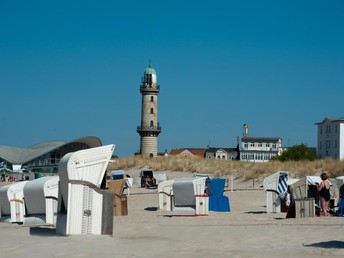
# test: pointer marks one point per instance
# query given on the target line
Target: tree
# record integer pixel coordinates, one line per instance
(297, 152)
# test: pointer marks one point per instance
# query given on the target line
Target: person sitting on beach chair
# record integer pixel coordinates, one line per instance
(149, 182)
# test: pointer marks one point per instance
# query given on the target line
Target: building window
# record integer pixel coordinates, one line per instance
(336, 129)
(328, 129)
(152, 110)
(151, 123)
(152, 98)
(245, 144)
(267, 145)
(252, 144)
(260, 144)
(274, 145)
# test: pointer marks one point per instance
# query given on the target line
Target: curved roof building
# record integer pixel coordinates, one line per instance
(44, 156)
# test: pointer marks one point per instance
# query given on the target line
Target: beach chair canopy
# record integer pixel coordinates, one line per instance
(200, 175)
(117, 174)
(37, 191)
(146, 172)
(87, 166)
(301, 189)
(276, 182)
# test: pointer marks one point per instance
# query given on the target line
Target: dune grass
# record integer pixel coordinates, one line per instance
(240, 169)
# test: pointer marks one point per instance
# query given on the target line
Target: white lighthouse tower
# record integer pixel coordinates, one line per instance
(150, 128)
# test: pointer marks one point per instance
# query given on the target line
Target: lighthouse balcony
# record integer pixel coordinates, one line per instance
(155, 129)
(149, 88)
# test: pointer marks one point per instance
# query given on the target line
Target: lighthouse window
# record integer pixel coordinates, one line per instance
(149, 78)
(151, 123)
(152, 98)
(152, 111)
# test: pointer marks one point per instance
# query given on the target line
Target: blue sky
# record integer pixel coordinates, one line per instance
(70, 69)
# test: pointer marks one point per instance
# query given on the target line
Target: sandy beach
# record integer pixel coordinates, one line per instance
(246, 231)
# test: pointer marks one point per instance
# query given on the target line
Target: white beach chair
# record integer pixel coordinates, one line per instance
(189, 198)
(12, 202)
(274, 186)
(41, 199)
(84, 208)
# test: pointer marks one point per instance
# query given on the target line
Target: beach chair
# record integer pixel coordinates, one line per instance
(217, 201)
(147, 175)
(306, 190)
(117, 174)
(160, 177)
(189, 198)
(41, 199)
(275, 187)
(12, 205)
(83, 207)
(120, 199)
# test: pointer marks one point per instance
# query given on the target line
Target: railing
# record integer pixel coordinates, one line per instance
(44, 162)
(149, 128)
(148, 87)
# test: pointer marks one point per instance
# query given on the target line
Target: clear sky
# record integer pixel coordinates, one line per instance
(70, 69)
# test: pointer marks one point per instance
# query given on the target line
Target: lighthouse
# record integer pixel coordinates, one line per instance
(150, 128)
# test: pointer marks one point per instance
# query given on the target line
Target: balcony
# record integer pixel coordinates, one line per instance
(153, 129)
(149, 88)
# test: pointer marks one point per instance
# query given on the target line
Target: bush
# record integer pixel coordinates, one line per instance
(297, 153)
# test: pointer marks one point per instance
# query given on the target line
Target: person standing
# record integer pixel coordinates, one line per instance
(290, 203)
(324, 193)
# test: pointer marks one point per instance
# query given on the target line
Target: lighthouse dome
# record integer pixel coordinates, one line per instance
(150, 70)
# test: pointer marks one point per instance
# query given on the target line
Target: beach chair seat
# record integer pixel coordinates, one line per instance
(189, 198)
(184, 197)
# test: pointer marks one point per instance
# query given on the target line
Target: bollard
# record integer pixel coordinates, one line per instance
(232, 184)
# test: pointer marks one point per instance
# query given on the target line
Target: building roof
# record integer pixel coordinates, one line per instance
(225, 149)
(150, 70)
(193, 151)
(16, 155)
(326, 119)
(260, 139)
